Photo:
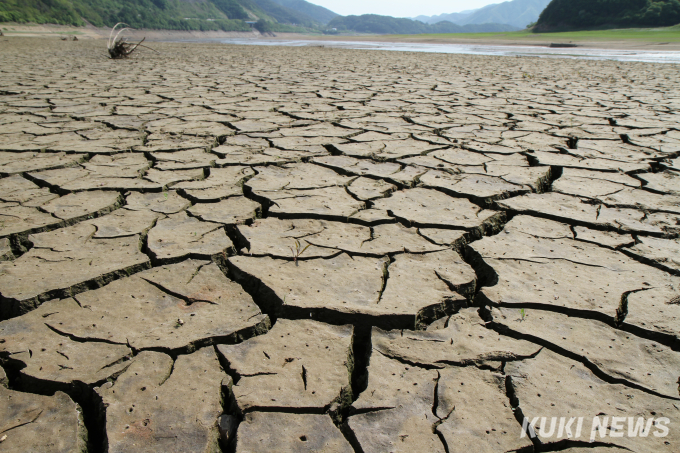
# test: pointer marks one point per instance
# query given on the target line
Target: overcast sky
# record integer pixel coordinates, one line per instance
(401, 8)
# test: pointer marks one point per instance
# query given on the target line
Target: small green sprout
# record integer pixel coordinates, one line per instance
(298, 250)
(523, 313)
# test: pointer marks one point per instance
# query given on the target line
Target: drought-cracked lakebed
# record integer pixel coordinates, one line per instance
(308, 249)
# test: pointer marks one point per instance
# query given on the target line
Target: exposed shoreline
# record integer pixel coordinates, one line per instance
(92, 32)
(538, 40)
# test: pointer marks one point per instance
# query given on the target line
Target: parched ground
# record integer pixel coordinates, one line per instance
(259, 249)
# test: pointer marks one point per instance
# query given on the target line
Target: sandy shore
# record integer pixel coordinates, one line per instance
(538, 40)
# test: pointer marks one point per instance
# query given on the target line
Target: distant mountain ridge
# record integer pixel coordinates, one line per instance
(373, 23)
(455, 18)
(518, 13)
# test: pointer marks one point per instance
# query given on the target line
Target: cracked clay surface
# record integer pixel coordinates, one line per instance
(249, 249)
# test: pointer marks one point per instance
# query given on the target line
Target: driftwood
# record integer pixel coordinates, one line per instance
(118, 47)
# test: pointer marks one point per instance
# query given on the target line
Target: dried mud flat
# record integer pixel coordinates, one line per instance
(480, 240)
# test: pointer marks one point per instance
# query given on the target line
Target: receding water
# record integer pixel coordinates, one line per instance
(649, 56)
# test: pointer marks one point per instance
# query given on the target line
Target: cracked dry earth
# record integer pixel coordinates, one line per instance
(480, 240)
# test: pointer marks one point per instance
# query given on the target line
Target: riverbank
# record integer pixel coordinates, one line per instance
(661, 39)
(635, 39)
(92, 32)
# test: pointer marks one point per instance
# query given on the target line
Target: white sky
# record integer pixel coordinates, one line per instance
(401, 8)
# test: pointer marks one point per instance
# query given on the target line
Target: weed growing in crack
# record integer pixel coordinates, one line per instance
(298, 250)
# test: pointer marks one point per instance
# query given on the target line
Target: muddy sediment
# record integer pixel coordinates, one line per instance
(223, 248)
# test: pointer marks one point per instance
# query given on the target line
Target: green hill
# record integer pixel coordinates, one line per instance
(279, 13)
(373, 23)
(588, 14)
(228, 15)
(316, 12)
(39, 11)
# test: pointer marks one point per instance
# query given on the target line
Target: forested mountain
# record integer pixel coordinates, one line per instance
(583, 14)
(373, 23)
(231, 15)
(278, 12)
(518, 13)
(160, 14)
(316, 12)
